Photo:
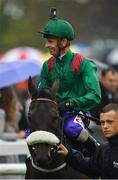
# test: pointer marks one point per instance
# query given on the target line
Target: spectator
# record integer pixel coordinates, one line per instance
(10, 116)
(11, 107)
(104, 162)
(2, 116)
(109, 86)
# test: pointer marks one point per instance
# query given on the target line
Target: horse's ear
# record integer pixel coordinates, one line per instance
(33, 91)
(54, 88)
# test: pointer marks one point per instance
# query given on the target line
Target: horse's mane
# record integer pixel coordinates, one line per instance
(44, 93)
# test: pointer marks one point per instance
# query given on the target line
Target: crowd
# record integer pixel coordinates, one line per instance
(13, 119)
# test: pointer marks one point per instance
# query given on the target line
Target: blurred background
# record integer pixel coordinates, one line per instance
(95, 21)
(22, 51)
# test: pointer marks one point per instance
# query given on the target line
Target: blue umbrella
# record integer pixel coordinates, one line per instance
(14, 72)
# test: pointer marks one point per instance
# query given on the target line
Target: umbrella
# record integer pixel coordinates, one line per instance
(22, 53)
(17, 71)
(112, 57)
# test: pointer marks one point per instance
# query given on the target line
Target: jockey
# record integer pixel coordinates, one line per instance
(79, 88)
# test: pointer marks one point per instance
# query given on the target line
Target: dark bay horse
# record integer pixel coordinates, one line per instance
(46, 133)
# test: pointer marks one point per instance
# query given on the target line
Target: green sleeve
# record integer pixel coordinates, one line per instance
(43, 76)
(93, 93)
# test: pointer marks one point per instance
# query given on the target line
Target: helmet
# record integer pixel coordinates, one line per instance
(58, 28)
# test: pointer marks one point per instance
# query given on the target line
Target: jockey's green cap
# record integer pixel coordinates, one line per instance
(58, 28)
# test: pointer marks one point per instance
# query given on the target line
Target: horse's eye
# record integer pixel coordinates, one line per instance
(31, 110)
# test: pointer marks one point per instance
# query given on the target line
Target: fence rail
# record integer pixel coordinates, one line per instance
(13, 147)
(12, 169)
(10, 148)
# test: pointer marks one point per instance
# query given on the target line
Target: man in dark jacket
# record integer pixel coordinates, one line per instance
(104, 162)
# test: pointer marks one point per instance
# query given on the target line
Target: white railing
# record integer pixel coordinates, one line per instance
(13, 147)
(12, 169)
(9, 148)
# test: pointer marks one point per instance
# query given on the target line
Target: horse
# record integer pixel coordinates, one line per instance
(46, 132)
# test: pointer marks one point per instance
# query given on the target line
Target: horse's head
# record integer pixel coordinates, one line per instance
(43, 111)
(43, 120)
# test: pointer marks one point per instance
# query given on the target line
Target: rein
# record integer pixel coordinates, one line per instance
(61, 130)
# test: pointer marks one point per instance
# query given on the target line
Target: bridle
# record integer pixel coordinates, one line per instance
(44, 99)
(54, 150)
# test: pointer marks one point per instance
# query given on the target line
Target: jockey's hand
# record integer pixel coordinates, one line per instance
(65, 106)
